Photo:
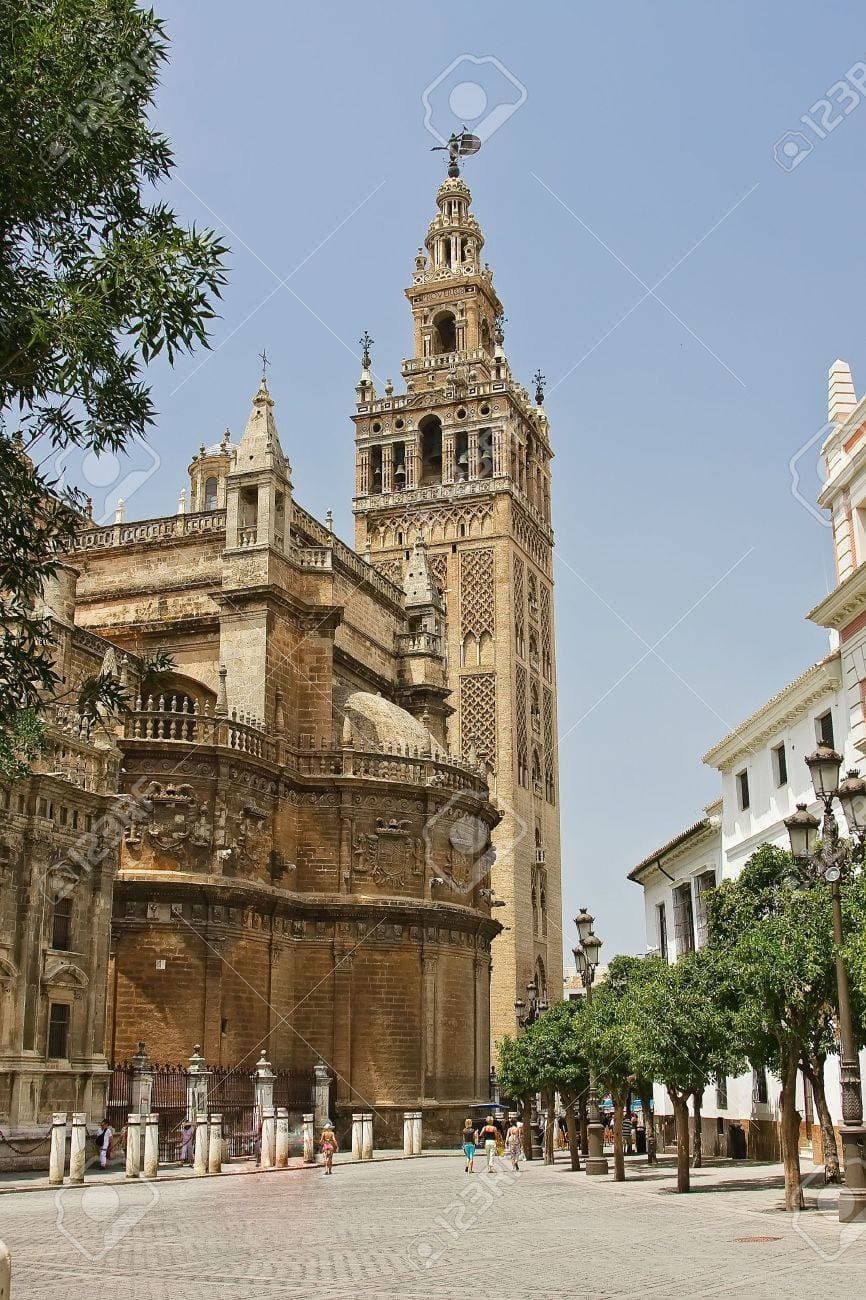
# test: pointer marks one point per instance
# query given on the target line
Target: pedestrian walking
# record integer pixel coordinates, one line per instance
(488, 1136)
(468, 1142)
(626, 1134)
(328, 1145)
(513, 1146)
(187, 1144)
(104, 1138)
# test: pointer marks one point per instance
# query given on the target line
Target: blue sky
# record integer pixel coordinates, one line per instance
(643, 149)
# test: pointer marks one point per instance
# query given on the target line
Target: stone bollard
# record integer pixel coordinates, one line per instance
(6, 1263)
(133, 1145)
(78, 1148)
(309, 1140)
(367, 1137)
(357, 1133)
(408, 1127)
(57, 1159)
(281, 1155)
(151, 1145)
(266, 1159)
(416, 1133)
(215, 1145)
(201, 1144)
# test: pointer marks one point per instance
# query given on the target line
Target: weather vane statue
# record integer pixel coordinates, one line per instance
(366, 343)
(461, 145)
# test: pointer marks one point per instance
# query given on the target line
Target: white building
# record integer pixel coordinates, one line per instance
(764, 775)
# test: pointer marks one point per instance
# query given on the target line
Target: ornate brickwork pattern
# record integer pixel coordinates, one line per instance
(549, 750)
(520, 725)
(546, 649)
(476, 592)
(519, 608)
(531, 539)
(478, 712)
(392, 569)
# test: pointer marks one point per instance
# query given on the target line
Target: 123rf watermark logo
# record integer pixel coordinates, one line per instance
(476, 92)
(460, 846)
(837, 103)
(808, 473)
(109, 479)
(818, 1223)
(96, 1218)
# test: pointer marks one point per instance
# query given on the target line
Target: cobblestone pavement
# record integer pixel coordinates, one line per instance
(424, 1229)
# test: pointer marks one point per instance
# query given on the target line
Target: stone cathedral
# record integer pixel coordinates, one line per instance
(327, 825)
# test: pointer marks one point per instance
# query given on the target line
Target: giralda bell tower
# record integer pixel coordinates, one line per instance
(461, 460)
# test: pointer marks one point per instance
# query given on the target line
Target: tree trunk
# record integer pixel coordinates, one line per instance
(790, 1131)
(527, 1127)
(569, 1101)
(813, 1070)
(649, 1129)
(550, 1128)
(618, 1157)
(698, 1137)
(681, 1116)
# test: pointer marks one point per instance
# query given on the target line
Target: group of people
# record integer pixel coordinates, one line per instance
(489, 1138)
(632, 1131)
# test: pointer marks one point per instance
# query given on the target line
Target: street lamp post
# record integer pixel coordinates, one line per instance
(526, 1012)
(831, 862)
(586, 959)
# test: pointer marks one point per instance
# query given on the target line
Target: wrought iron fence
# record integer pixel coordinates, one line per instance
(231, 1092)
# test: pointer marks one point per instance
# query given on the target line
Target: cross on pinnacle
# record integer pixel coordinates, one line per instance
(263, 357)
(539, 380)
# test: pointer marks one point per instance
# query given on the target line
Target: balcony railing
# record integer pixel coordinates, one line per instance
(149, 530)
(175, 720)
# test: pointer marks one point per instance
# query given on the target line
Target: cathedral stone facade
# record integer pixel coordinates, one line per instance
(334, 814)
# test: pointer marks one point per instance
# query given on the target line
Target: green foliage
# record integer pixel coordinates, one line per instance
(20, 743)
(156, 670)
(683, 1032)
(516, 1069)
(609, 1030)
(771, 934)
(95, 281)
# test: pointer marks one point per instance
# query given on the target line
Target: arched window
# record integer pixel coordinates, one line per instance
(61, 923)
(536, 770)
(444, 333)
(210, 493)
(430, 429)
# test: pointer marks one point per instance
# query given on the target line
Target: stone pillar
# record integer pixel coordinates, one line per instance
(142, 1082)
(197, 1081)
(387, 467)
(357, 1133)
(215, 1145)
(416, 1133)
(57, 1159)
(367, 1137)
(78, 1147)
(309, 1140)
(473, 454)
(201, 1143)
(408, 1131)
(281, 1157)
(266, 1158)
(321, 1094)
(264, 1086)
(151, 1145)
(133, 1145)
(448, 457)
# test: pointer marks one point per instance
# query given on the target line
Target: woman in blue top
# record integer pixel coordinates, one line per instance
(468, 1141)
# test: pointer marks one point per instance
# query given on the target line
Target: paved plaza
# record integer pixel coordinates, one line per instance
(423, 1228)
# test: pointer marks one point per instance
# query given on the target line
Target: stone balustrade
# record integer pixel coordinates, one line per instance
(150, 530)
(177, 720)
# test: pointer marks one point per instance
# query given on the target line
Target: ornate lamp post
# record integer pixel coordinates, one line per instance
(526, 1012)
(586, 960)
(832, 861)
